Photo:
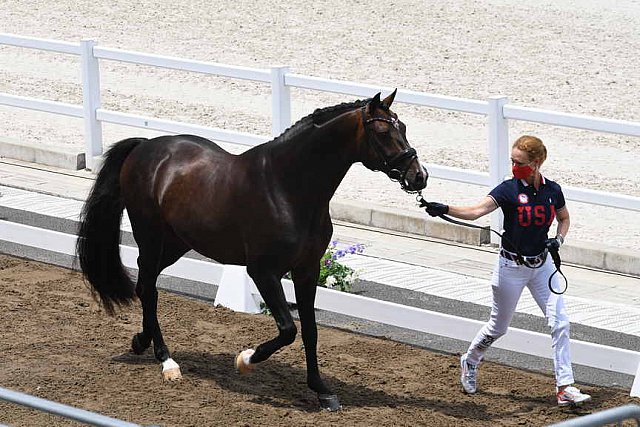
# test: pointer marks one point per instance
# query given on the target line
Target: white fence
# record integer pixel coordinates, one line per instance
(496, 109)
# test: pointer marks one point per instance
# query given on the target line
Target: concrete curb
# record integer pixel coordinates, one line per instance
(580, 253)
(406, 222)
(60, 158)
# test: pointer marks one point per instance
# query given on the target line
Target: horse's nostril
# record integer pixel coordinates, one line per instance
(421, 179)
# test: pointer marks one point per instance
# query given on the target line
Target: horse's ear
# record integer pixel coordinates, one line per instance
(389, 99)
(375, 102)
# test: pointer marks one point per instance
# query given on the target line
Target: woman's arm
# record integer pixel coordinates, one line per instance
(564, 221)
(472, 212)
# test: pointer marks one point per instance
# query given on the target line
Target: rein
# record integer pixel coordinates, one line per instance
(555, 255)
(390, 165)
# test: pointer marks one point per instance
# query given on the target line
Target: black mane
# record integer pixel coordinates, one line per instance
(319, 117)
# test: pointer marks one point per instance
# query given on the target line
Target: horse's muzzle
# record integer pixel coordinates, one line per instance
(415, 179)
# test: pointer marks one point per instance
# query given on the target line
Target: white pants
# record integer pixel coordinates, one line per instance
(509, 279)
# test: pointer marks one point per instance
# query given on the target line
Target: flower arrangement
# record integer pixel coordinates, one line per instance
(334, 274)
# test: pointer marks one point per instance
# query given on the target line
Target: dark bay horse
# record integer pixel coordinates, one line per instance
(267, 209)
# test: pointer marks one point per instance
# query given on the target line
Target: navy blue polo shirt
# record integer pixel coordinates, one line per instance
(528, 213)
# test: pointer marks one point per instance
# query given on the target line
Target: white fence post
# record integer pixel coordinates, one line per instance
(635, 387)
(498, 154)
(236, 290)
(280, 101)
(90, 103)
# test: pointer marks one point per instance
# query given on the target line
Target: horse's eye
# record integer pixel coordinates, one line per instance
(382, 128)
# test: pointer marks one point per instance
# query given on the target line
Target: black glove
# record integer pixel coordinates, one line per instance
(552, 244)
(436, 209)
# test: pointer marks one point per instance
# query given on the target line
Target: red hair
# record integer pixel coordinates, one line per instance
(533, 146)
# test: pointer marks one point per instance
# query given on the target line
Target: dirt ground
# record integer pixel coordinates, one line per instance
(58, 344)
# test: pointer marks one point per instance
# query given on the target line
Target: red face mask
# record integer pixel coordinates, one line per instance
(521, 172)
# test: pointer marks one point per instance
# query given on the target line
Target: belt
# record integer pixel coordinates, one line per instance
(529, 261)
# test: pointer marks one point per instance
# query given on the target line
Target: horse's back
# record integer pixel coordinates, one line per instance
(167, 160)
(185, 183)
(174, 151)
(183, 144)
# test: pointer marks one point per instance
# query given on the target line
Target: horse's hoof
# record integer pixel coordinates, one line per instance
(172, 374)
(171, 370)
(136, 346)
(243, 364)
(329, 402)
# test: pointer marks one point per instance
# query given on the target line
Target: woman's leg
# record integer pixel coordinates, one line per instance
(552, 305)
(507, 283)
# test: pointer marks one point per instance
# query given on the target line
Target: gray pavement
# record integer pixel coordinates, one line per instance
(397, 265)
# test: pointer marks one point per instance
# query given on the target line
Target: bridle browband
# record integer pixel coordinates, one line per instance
(390, 165)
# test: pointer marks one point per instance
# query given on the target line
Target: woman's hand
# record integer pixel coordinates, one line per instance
(436, 209)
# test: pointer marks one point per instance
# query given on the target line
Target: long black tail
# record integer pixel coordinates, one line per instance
(98, 245)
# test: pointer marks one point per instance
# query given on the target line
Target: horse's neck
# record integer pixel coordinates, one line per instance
(315, 161)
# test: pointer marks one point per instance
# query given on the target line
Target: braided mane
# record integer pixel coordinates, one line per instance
(319, 117)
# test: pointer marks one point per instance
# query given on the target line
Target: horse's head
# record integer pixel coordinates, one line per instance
(386, 146)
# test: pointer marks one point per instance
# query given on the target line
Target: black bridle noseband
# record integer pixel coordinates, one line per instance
(390, 165)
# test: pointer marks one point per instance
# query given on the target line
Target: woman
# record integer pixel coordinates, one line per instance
(530, 202)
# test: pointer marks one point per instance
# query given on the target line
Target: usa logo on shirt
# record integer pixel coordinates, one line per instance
(523, 198)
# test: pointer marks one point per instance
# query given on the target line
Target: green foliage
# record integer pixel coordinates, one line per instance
(333, 274)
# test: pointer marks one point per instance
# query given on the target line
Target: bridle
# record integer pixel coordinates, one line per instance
(390, 165)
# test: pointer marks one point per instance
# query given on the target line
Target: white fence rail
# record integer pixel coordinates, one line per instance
(518, 340)
(496, 109)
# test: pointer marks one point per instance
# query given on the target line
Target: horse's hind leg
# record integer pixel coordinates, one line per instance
(155, 255)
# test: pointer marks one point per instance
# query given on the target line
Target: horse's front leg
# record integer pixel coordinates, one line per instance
(271, 291)
(305, 283)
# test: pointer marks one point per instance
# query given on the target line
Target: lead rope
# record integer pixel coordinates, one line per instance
(555, 255)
